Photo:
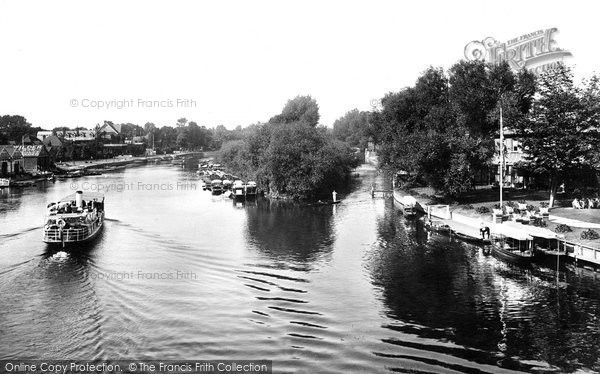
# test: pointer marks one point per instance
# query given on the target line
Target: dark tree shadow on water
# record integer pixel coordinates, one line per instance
(290, 231)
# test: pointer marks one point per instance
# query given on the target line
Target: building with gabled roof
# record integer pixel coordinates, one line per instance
(11, 160)
(35, 158)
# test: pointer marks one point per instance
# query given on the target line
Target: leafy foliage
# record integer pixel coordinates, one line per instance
(353, 128)
(299, 109)
(441, 131)
(560, 134)
(293, 159)
(13, 128)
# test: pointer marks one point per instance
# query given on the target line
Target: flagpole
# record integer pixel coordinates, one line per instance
(501, 153)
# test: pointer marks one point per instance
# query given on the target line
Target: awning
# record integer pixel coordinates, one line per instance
(408, 201)
(508, 230)
(87, 196)
(538, 232)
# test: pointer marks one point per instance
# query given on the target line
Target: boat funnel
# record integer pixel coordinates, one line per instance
(79, 199)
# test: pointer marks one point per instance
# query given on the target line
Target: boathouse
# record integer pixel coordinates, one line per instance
(11, 160)
(35, 157)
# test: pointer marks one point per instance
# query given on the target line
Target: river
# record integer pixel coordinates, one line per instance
(180, 274)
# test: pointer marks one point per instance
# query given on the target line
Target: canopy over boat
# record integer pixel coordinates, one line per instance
(538, 232)
(87, 196)
(408, 201)
(511, 232)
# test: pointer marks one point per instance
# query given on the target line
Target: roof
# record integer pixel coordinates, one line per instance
(87, 196)
(12, 151)
(32, 150)
(511, 232)
(538, 232)
(111, 128)
(53, 141)
(4, 155)
(31, 140)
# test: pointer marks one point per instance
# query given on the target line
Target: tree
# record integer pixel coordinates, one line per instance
(181, 122)
(149, 128)
(441, 131)
(560, 135)
(299, 109)
(289, 158)
(14, 127)
(353, 128)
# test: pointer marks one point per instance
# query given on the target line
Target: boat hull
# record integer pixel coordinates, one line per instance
(408, 209)
(514, 256)
(70, 240)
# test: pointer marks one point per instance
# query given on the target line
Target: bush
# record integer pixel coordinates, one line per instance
(512, 204)
(469, 207)
(522, 201)
(561, 228)
(590, 235)
(531, 208)
(482, 209)
(544, 204)
(540, 223)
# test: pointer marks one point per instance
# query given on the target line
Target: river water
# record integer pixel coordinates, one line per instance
(180, 274)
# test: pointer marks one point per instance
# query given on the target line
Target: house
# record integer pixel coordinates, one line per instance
(30, 140)
(77, 135)
(35, 158)
(11, 160)
(42, 135)
(512, 175)
(54, 146)
(110, 131)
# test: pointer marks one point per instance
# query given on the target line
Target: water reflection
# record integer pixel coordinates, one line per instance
(290, 231)
(514, 318)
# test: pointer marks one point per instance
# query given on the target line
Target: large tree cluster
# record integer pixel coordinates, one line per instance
(290, 155)
(560, 134)
(441, 131)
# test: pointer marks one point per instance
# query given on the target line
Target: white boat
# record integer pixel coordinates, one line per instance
(216, 186)
(238, 189)
(514, 248)
(75, 218)
(409, 204)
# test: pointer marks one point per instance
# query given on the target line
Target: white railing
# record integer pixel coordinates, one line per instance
(582, 252)
(70, 234)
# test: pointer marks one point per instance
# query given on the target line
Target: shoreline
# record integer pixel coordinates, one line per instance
(469, 225)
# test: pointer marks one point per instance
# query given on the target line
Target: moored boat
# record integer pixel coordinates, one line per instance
(76, 218)
(251, 189)
(238, 189)
(216, 186)
(515, 248)
(409, 204)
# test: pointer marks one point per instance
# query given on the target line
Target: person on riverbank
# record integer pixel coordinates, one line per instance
(483, 230)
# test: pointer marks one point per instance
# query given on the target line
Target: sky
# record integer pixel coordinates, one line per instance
(78, 63)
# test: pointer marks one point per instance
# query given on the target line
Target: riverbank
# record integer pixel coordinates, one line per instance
(120, 161)
(466, 219)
